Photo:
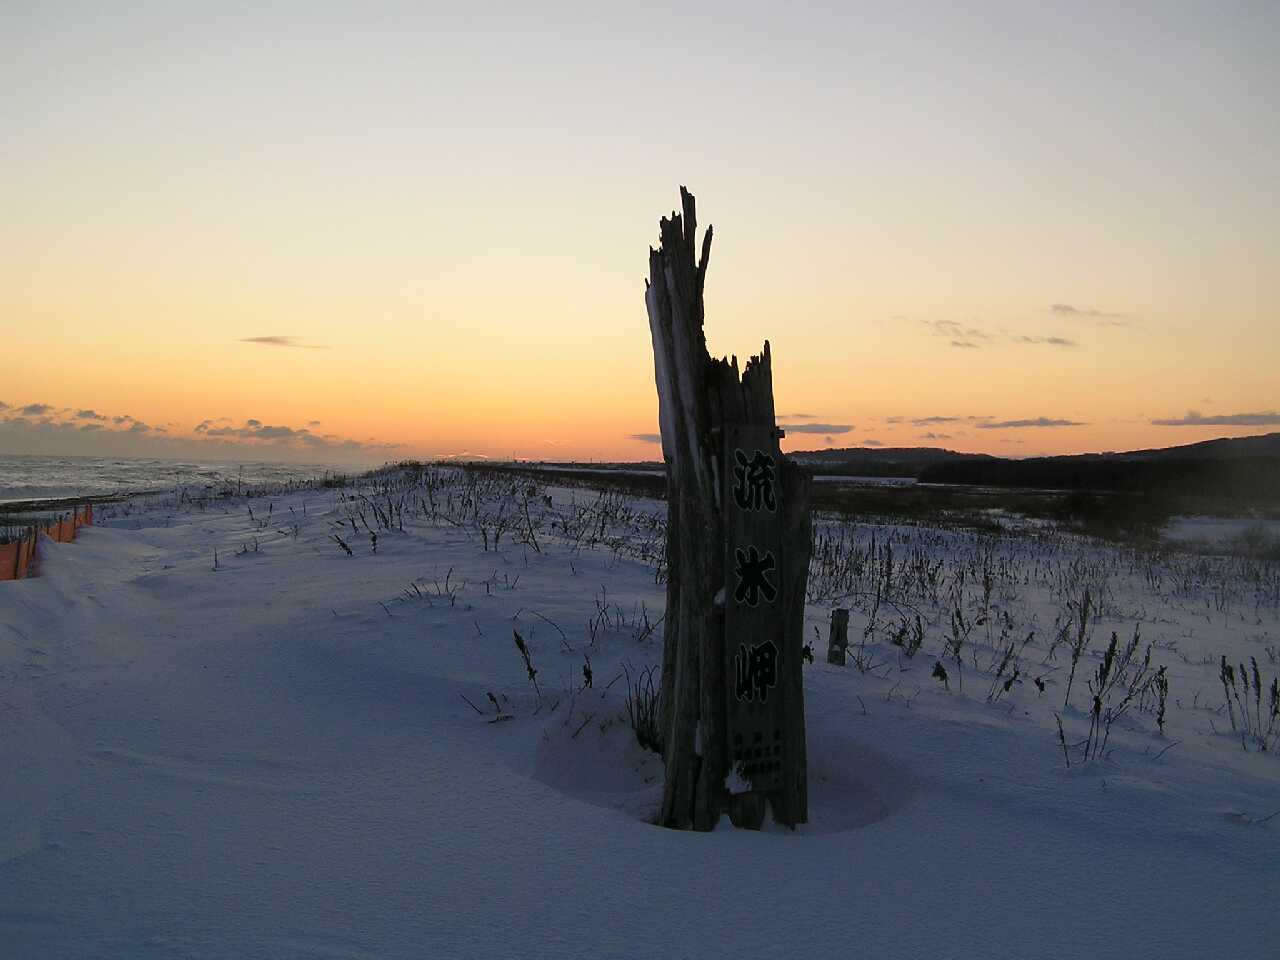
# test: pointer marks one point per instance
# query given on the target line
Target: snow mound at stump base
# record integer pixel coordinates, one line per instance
(851, 785)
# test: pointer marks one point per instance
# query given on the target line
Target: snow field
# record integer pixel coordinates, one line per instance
(281, 757)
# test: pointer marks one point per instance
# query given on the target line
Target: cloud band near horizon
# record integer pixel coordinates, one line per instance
(1196, 419)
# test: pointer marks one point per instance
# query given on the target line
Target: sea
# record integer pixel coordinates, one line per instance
(33, 477)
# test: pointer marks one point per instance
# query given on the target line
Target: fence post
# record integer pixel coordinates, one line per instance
(839, 641)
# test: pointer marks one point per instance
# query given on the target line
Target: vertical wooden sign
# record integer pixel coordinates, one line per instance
(738, 545)
(756, 656)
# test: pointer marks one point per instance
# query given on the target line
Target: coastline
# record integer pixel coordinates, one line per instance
(54, 504)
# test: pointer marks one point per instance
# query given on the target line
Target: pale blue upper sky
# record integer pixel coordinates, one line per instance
(481, 177)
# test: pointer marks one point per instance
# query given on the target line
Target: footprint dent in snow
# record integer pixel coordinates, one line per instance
(210, 773)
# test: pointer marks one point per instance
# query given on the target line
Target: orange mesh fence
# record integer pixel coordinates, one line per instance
(17, 558)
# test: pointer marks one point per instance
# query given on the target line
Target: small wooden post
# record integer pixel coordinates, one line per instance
(839, 641)
(732, 695)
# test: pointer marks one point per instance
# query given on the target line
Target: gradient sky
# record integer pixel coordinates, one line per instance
(367, 231)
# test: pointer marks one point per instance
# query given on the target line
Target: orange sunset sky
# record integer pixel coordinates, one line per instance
(358, 232)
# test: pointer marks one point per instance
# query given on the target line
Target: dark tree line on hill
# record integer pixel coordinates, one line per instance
(1255, 479)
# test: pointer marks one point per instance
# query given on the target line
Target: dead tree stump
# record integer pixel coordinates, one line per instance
(705, 407)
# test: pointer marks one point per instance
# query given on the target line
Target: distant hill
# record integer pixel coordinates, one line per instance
(1238, 468)
(879, 462)
(884, 454)
(1245, 468)
(1238, 478)
(1224, 448)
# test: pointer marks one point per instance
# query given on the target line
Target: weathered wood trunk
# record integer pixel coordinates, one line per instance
(699, 398)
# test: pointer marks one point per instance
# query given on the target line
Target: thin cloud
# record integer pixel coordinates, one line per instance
(796, 416)
(872, 443)
(281, 341)
(207, 424)
(252, 429)
(819, 427)
(926, 421)
(1195, 418)
(69, 421)
(42, 428)
(964, 344)
(1052, 341)
(954, 330)
(934, 436)
(281, 435)
(645, 437)
(1067, 310)
(1037, 422)
(1101, 317)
